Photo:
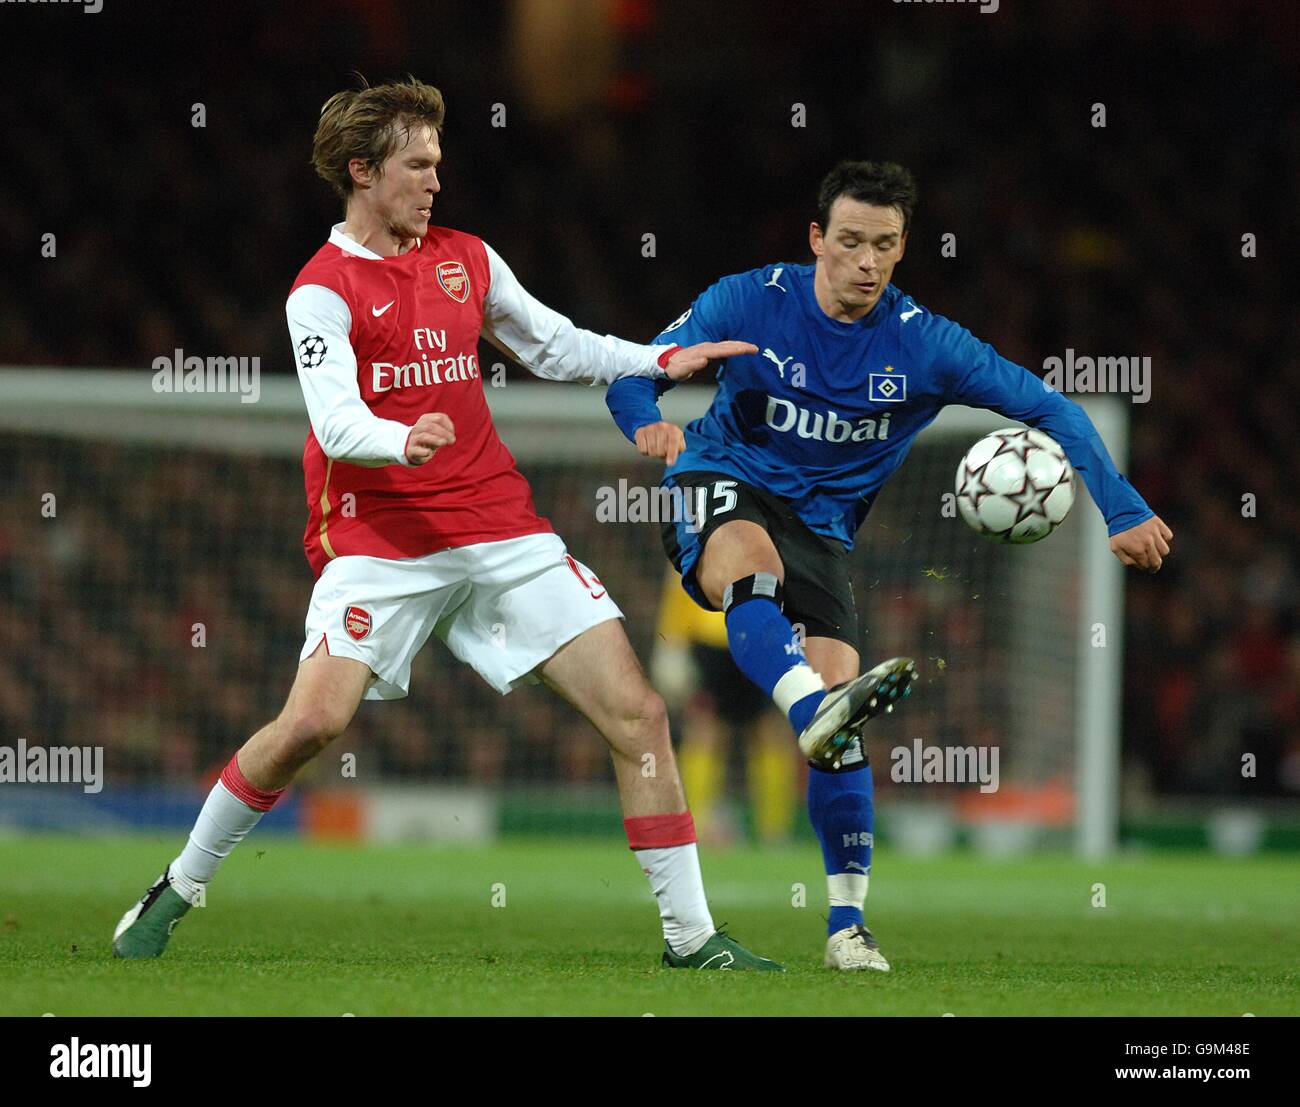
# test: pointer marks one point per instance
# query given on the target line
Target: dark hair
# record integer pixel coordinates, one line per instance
(883, 184)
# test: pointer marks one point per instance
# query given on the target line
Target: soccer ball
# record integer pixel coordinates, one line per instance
(1015, 486)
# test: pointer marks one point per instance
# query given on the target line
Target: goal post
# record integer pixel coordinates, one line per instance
(1100, 675)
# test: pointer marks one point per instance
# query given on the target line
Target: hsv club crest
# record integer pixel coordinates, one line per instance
(356, 621)
(454, 280)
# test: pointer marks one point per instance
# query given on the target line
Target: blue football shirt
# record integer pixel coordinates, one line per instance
(826, 411)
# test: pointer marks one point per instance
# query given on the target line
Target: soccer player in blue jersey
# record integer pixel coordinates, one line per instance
(787, 462)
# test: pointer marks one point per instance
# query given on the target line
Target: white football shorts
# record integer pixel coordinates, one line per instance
(502, 608)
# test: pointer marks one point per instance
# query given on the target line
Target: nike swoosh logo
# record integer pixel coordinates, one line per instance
(378, 311)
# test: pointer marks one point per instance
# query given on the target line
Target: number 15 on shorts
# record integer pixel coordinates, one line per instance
(724, 499)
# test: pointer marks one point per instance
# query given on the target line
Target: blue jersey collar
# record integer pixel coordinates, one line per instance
(804, 287)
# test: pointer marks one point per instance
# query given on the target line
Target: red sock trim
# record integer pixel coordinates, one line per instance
(237, 785)
(660, 831)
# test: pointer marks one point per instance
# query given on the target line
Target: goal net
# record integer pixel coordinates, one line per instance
(154, 589)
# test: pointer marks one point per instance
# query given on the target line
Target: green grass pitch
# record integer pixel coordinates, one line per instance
(295, 928)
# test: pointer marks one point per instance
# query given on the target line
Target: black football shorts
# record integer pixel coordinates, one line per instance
(818, 586)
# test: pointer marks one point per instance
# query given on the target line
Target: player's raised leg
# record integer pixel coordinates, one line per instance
(740, 572)
(842, 811)
(599, 674)
(324, 697)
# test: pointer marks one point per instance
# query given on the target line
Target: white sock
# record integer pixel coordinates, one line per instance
(675, 879)
(223, 823)
(797, 682)
(847, 889)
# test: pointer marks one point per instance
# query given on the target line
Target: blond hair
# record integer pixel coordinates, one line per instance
(371, 123)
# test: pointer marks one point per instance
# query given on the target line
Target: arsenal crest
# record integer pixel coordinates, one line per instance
(454, 280)
(356, 621)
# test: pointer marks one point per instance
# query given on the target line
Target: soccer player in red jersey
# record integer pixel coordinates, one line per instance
(420, 523)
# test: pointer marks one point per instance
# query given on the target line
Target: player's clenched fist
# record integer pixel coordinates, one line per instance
(430, 431)
(664, 440)
(1145, 545)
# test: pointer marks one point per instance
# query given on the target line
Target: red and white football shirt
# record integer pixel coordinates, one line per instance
(380, 342)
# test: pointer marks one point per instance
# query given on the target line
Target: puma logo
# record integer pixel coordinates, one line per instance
(780, 365)
(775, 280)
(914, 310)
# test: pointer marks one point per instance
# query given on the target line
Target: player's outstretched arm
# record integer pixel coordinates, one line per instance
(550, 346)
(973, 373)
(685, 361)
(547, 343)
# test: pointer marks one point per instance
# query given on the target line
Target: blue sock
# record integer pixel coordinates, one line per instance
(767, 650)
(841, 809)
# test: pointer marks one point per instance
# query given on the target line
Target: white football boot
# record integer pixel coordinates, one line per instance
(847, 706)
(852, 949)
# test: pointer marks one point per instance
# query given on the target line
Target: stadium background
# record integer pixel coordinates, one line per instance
(627, 118)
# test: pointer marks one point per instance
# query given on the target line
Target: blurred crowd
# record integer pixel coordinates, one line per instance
(1127, 239)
